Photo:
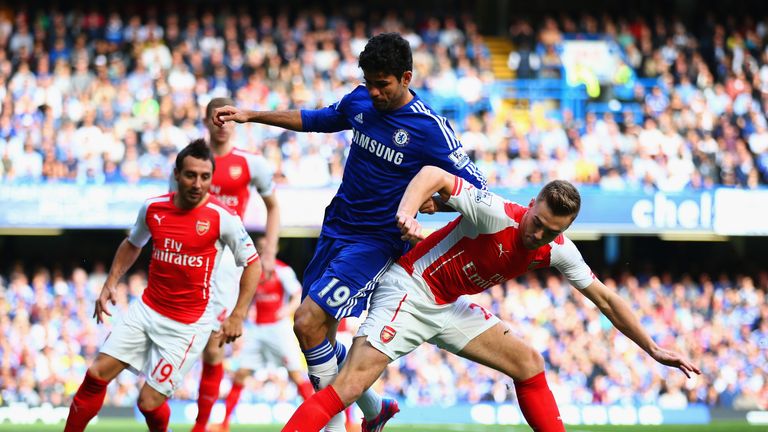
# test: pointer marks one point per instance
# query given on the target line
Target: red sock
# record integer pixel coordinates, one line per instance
(86, 403)
(315, 412)
(231, 402)
(209, 392)
(306, 390)
(157, 419)
(538, 405)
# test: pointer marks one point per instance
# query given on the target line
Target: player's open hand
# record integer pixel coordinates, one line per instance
(227, 113)
(410, 228)
(108, 295)
(231, 329)
(677, 360)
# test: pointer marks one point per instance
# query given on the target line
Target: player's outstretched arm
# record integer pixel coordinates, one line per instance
(232, 327)
(620, 313)
(284, 119)
(125, 256)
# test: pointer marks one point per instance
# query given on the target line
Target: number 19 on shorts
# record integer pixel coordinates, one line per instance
(338, 294)
(162, 371)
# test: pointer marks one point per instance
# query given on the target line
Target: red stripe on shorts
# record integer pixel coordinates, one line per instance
(398, 307)
(187, 351)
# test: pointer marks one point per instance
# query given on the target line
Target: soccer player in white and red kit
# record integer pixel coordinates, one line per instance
(422, 297)
(164, 332)
(272, 340)
(237, 171)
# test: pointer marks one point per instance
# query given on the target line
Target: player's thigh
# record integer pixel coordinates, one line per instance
(281, 347)
(350, 276)
(105, 367)
(129, 342)
(480, 336)
(174, 350)
(400, 320)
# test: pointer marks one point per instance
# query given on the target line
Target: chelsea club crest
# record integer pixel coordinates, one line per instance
(401, 138)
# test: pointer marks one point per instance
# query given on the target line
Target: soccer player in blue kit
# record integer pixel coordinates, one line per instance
(395, 134)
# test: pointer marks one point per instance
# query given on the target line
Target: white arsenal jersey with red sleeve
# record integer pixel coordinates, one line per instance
(483, 247)
(186, 249)
(235, 173)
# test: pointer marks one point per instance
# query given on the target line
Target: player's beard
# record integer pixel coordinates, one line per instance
(194, 197)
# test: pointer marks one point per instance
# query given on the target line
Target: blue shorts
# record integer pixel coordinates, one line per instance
(343, 273)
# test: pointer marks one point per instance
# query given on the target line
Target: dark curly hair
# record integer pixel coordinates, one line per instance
(197, 149)
(388, 53)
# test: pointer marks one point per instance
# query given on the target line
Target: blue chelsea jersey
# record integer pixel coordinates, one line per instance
(388, 149)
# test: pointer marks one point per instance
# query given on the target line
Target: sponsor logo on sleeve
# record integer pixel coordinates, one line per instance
(459, 158)
(401, 138)
(483, 197)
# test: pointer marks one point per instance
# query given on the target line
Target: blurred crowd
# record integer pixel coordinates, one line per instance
(48, 338)
(701, 93)
(98, 97)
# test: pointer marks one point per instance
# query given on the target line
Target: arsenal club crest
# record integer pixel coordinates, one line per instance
(202, 227)
(235, 171)
(387, 334)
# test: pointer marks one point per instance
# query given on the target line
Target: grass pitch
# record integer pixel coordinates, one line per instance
(129, 425)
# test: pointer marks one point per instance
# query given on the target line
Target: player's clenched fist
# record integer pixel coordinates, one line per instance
(410, 228)
(227, 113)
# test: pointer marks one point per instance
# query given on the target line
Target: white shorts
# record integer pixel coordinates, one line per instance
(273, 344)
(402, 316)
(164, 350)
(226, 288)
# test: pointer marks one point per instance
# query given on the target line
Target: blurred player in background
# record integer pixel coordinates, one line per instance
(164, 332)
(394, 134)
(237, 171)
(422, 297)
(271, 341)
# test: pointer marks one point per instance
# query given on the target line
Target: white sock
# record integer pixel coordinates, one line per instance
(323, 368)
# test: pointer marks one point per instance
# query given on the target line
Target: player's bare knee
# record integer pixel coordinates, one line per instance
(241, 375)
(309, 330)
(149, 399)
(104, 368)
(213, 356)
(533, 363)
(97, 373)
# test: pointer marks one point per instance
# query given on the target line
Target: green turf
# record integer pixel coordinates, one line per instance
(131, 425)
